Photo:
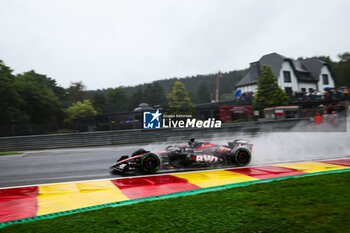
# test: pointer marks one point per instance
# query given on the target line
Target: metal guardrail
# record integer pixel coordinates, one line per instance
(51, 141)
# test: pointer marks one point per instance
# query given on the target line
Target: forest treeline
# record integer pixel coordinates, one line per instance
(35, 102)
(201, 89)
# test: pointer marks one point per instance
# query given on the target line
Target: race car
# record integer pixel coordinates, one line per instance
(193, 155)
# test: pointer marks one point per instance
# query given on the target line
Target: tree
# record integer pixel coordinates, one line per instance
(269, 94)
(342, 70)
(11, 101)
(29, 98)
(147, 95)
(59, 91)
(76, 92)
(193, 96)
(78, 110)
(118, 100)
(136, 98)
(326, 59)
(203, 93)
(154, 95)
(158, 95)
(179, 101)
(99, 100)
(39, 101)
(228, 81)
(344, 57)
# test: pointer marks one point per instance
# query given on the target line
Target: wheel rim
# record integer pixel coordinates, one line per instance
(243, 157)
(150, 163)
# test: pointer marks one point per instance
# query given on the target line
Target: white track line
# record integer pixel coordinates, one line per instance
(172, 173)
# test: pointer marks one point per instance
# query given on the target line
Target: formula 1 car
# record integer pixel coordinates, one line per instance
(194, 155)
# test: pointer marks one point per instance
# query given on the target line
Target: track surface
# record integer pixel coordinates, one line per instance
(78, 164)
(51, 166)
(62, 165)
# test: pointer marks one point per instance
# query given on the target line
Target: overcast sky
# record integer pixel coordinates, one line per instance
(113, 43)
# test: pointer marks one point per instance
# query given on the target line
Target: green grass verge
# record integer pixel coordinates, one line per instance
(10, 153)
(310, 204)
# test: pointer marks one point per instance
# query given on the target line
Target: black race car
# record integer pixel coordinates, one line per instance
(194, 154)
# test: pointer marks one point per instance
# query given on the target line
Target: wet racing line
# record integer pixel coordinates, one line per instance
(29, 203)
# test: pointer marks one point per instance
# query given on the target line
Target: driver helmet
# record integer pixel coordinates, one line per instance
(191, 142)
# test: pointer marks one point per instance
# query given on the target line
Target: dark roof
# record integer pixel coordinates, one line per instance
(298, 65)
(247, 79)
(314, 65)
(301, 72)
(307, 70)
(273, 59)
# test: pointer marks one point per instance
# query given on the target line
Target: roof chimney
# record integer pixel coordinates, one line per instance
(254, 70)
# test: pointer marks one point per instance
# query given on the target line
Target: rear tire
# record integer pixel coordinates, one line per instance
(150, 163)
(242, 157)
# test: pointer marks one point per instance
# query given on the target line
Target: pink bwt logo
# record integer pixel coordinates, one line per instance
(206, 158)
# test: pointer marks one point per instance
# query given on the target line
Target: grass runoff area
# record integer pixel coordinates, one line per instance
(310, 204)
(9, 153)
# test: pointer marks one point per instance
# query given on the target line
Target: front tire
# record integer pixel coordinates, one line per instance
(242, 157)
(150, 163)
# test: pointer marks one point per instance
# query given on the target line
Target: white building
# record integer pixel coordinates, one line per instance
(292, 75)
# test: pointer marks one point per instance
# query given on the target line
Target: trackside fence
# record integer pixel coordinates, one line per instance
(103, 138)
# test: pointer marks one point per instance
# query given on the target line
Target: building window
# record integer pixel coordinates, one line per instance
(303, 89)
(325, 79)
(286, 75)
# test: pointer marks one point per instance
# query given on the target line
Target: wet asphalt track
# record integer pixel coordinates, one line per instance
(77, 164)
(62, 165)
(51, 166)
